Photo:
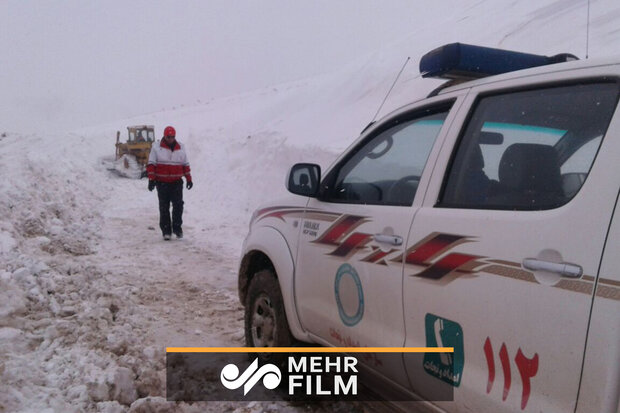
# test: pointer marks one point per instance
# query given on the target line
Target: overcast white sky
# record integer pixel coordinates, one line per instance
(65, 64)
(74, 62)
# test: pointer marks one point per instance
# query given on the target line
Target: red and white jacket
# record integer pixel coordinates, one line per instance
(167, 165)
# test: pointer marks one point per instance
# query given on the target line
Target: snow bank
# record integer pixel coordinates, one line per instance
(66, 339)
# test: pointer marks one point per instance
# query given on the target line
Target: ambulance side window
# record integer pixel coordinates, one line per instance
(387, 167)
(529, 150)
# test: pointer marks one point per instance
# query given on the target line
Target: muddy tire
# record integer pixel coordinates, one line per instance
(265, 318)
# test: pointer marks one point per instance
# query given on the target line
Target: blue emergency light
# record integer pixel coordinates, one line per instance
(466, 62)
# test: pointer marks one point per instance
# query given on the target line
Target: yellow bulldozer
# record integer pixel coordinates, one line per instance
(133, 155)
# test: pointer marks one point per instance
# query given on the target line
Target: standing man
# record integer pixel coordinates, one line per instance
(167, 165)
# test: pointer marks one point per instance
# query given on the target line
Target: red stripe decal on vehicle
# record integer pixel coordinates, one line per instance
(446, 265)
(377, 256)
(355, 241)
(421, 254)
(278, 212)
(340, 229)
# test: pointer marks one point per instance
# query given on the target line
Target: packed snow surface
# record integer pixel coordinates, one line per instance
(90, 295)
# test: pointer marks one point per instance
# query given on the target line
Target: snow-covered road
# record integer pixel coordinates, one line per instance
(91, 295)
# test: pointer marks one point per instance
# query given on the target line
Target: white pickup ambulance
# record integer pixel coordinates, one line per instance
(484, 217)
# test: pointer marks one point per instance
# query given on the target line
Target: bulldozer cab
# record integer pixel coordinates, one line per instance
(133, 155)
(141, 133)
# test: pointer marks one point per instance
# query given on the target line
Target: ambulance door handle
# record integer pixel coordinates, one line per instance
(565, 269)
(389, 239)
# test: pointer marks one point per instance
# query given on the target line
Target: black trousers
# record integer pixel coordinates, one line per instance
(170, 193)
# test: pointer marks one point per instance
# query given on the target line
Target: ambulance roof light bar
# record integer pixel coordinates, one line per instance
(462, 62)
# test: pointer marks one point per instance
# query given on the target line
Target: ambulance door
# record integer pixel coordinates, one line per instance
(503, 255)
(348, 284)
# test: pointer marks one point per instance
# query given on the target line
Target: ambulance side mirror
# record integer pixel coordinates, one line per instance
(303, 179)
